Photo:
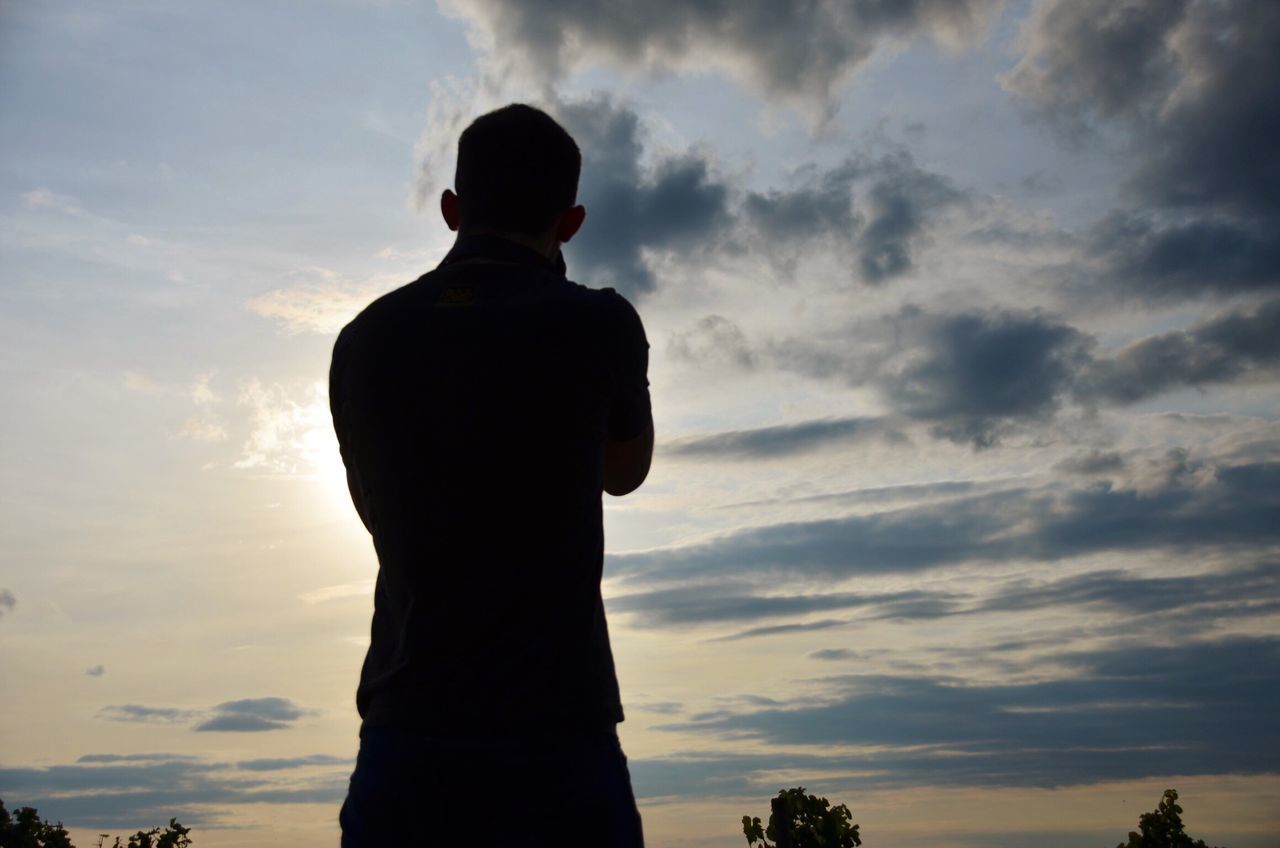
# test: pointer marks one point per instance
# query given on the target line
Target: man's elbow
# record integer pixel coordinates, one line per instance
(626, 464)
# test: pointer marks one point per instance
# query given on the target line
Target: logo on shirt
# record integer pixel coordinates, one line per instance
(458, 296)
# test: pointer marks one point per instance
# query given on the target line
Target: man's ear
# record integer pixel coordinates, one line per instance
(449, 209)
(570, 222)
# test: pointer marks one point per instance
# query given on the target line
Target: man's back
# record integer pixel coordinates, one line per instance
(473, 408)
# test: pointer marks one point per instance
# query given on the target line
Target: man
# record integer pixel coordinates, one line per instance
(481, 410)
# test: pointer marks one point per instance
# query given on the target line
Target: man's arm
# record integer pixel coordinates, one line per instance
(626, 463)
(628, 447)
(357, 497)
(336, 365)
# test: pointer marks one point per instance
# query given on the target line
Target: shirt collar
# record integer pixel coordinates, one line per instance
(504, 250)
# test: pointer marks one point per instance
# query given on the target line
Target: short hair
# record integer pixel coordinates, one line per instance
(517, 170)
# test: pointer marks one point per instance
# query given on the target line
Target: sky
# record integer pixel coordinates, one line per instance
(965, 359)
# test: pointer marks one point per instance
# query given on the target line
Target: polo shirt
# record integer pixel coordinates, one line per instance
(472, 408)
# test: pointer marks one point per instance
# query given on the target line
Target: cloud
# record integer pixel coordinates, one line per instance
(970, 376)
(1117, 719)
(1200, 600)
(1205, 506)
(1138, 253)
(288, 435)
(200, 429)
(1188, 85)
(730, 601)
(282, 763)
(1115, 713)
(797, 53)
(133, 790)
(43, 198)
(713, 339)
(321, 307)
(876, 209)
(96, 670)
(356, 588)
(782, 440)
(7, 602)
(1227, 347)
(1093, 462)
(677, 204)
(145, 714)
(252, 715)
(135, 758)
(779, 629)
(975, 377)
(244, 715)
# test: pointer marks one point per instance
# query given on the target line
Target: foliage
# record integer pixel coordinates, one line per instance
(173, 836)
(803, 821)
(1162, 828)
(25, 829)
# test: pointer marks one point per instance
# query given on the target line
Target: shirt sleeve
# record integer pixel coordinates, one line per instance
(628, 355)
(336, 367)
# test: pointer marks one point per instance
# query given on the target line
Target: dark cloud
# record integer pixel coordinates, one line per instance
(728, 602)
(1191, 85)
(1117, 713)
(1142, 254)
(1224, 348)
(973, 373)
(821, 204)
(1199, 599)
(1093, 462)
(970, 376)
(137, 790)
(1090, 60)
(976, 376)
(675, 205)
(900, 201)
(783, 440)
(875, 209)
(1253, 591)
(244, 715)
(7, 602)
(1209, 506)
(251, 715)
(797, 52)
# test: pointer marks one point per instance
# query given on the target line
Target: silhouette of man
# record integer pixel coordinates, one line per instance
(481, 410)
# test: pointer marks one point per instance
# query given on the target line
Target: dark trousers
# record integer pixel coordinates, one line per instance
(561, 790)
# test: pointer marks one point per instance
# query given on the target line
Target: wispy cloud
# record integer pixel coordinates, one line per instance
(321, 305)
(43, 198)
(291, 432)
(356, 588)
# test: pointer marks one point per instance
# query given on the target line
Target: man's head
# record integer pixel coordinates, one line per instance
(518, 176)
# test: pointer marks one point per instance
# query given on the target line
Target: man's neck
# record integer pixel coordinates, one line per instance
(544, 246)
